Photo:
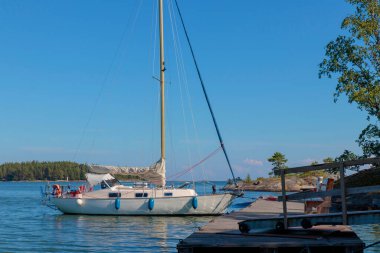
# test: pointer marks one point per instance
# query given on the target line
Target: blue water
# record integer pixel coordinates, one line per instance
(27, 226)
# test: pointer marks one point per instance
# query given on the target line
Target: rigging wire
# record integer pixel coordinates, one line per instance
(156, 105)
(156, 117)
(189, 169)
(205, 93)
(123, 51)
(154, 29)
(106, 79)
(169, 129)
(176, 53)
(173, 154)
(182, 69)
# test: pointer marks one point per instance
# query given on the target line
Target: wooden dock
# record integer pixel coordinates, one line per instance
(223, 235)
(259, 209)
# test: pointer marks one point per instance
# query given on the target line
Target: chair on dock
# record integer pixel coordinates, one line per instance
(320, 205)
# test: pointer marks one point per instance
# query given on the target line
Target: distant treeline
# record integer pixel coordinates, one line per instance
(51, 171)
(35, 170)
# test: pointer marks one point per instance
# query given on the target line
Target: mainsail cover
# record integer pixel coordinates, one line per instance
(154, 174)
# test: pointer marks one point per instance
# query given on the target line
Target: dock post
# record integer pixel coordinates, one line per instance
(343, 194)
(284, 207)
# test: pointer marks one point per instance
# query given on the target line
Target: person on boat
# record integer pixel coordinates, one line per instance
(57, 190)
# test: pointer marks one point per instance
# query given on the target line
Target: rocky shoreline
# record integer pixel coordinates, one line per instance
(294, 183)
(273, 184)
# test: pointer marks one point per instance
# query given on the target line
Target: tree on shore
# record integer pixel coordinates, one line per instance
(248, 179)
(35, 170)
(313, 173)
(369, 140)
(347, 156)
(328, 160)
(355, 59)
(278, 161)
(61, 170)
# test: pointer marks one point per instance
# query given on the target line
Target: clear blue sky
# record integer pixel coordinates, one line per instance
(76, 83)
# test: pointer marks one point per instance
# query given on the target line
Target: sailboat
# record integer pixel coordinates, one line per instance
(115, 198)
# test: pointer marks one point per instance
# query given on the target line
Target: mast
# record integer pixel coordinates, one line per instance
(162, 78)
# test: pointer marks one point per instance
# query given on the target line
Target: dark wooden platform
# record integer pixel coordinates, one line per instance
(222, 234)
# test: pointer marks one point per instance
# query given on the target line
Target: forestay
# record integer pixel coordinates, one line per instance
(154, 174)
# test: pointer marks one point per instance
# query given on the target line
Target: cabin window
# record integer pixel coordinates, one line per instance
(114, 194)
(168, 194)
(141, 195)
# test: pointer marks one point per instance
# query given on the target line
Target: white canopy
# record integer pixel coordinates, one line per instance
(95, 179)
(154, 173)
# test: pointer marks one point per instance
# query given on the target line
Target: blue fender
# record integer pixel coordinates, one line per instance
(151, 204)
(195, 202)
(117, 203)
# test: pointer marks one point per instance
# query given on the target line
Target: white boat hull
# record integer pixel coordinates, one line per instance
(215, 204)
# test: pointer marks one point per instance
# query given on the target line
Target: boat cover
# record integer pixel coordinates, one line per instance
(95, 179)
(154, 174)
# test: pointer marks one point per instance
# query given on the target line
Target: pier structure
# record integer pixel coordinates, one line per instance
(282, 226)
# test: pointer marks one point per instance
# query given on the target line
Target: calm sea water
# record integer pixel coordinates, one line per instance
(27, 226)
